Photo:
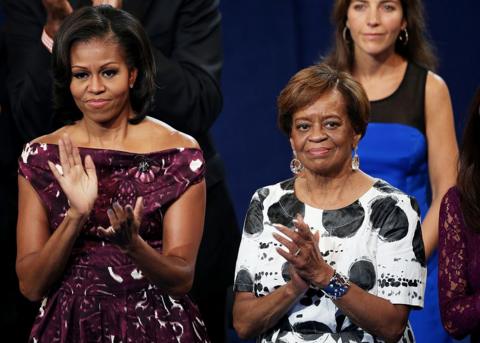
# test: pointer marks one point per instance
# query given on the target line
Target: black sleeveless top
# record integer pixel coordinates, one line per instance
(406, 105)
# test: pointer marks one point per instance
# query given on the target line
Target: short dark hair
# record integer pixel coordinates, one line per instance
(418, 48)
(104, 21)
(309, 84)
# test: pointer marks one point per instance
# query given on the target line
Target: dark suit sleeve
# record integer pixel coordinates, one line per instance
(188, 96)
(29, 81)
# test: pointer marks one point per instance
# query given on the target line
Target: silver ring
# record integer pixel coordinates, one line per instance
(297, 252)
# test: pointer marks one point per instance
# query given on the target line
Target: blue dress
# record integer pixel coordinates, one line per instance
(394, 149)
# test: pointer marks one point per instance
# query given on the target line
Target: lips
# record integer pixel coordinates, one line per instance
(97, 103)
(318, 152)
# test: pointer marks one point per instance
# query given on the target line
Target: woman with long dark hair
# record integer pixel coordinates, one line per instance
(410, 140)
(459, 239)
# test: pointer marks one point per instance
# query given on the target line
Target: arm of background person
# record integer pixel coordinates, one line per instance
(189, 96)
(442, 153)
(459, 307)
(29, 82)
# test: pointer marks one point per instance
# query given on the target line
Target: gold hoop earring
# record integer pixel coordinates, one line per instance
(355, 160)
(403, 38)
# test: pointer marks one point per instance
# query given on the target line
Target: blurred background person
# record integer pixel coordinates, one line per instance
(186, 36)
(411, 141)
(459, 227)
(333, 253)
(111, 206)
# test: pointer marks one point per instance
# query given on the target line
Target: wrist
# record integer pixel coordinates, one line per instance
(133, 246)
(337, 286)
(76, 215)
(322, 279)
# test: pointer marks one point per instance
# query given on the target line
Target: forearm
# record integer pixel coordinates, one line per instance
(430, 227)
(460, 314)
(373, 314)
(37, 271)
(252, 316)
(172, 274)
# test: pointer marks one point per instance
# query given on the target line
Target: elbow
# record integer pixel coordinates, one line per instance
(242, 328)
(31, 293)
(394, 332)
(180, 289)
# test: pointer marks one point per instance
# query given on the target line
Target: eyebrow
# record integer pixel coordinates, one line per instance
(102, 66)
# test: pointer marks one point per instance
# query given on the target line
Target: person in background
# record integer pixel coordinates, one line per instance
(186, 38)
(459, 238)
(111, 205)
(332, 254)
(411, 140)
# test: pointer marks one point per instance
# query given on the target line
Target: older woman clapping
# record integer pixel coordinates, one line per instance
(331, 253)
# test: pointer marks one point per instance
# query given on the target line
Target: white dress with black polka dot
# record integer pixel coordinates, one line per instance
(375, 241)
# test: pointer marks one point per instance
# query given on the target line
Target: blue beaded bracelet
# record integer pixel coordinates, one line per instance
(337, 287)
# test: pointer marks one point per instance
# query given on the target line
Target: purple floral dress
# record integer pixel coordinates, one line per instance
(103, 296)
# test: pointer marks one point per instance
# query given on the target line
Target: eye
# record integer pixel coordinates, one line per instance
(302, 126)
(81, 75)
(109, 73)
(359, 6)
(389, 7)
(331, 124)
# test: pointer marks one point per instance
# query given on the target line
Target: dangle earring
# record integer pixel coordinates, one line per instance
(404, 38)
(296, 166)
(355, 160)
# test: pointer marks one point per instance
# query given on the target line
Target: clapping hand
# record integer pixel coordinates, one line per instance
(113, 3)
(124, 224)
(78, 181)
(303, 252)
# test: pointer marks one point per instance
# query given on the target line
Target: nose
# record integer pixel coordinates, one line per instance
(373, 17)
(318, 133)
(96, 85)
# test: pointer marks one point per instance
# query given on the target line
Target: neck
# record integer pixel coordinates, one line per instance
(327, 191)
(367, 66)
(108, 135)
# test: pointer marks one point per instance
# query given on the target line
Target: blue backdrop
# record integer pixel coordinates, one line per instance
(267, 41)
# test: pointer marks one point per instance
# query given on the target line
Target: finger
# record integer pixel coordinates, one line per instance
(288, 232)
(119, 212)
(106, 232)
(69, 149)
(112, 217)
(90, 168)
(302, 228)
(138, 210)
(316, 237)
(63, 156)
(285, 255)
(291, 246)
(129, 215)
(77, 160)
(55, 171)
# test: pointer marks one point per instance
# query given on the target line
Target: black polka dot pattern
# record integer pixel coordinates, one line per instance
(418, 247)
(344, 222)
(283, 211)
(389, 219)
(254, 218)
(243, 281)
(362, 273)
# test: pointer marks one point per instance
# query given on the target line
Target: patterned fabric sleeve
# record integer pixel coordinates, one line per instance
(32, 165)
(400, 255)
(459, 307)
(248, 251)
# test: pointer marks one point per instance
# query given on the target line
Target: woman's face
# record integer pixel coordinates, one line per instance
(101, 80)
(375, 25)
(323, 137)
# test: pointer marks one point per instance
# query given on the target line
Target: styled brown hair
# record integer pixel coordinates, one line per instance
(468, 180)
(418, 48)
(309, 84)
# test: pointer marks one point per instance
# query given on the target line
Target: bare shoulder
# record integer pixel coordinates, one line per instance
(53, 137)
(165, 136)
(435, 86)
